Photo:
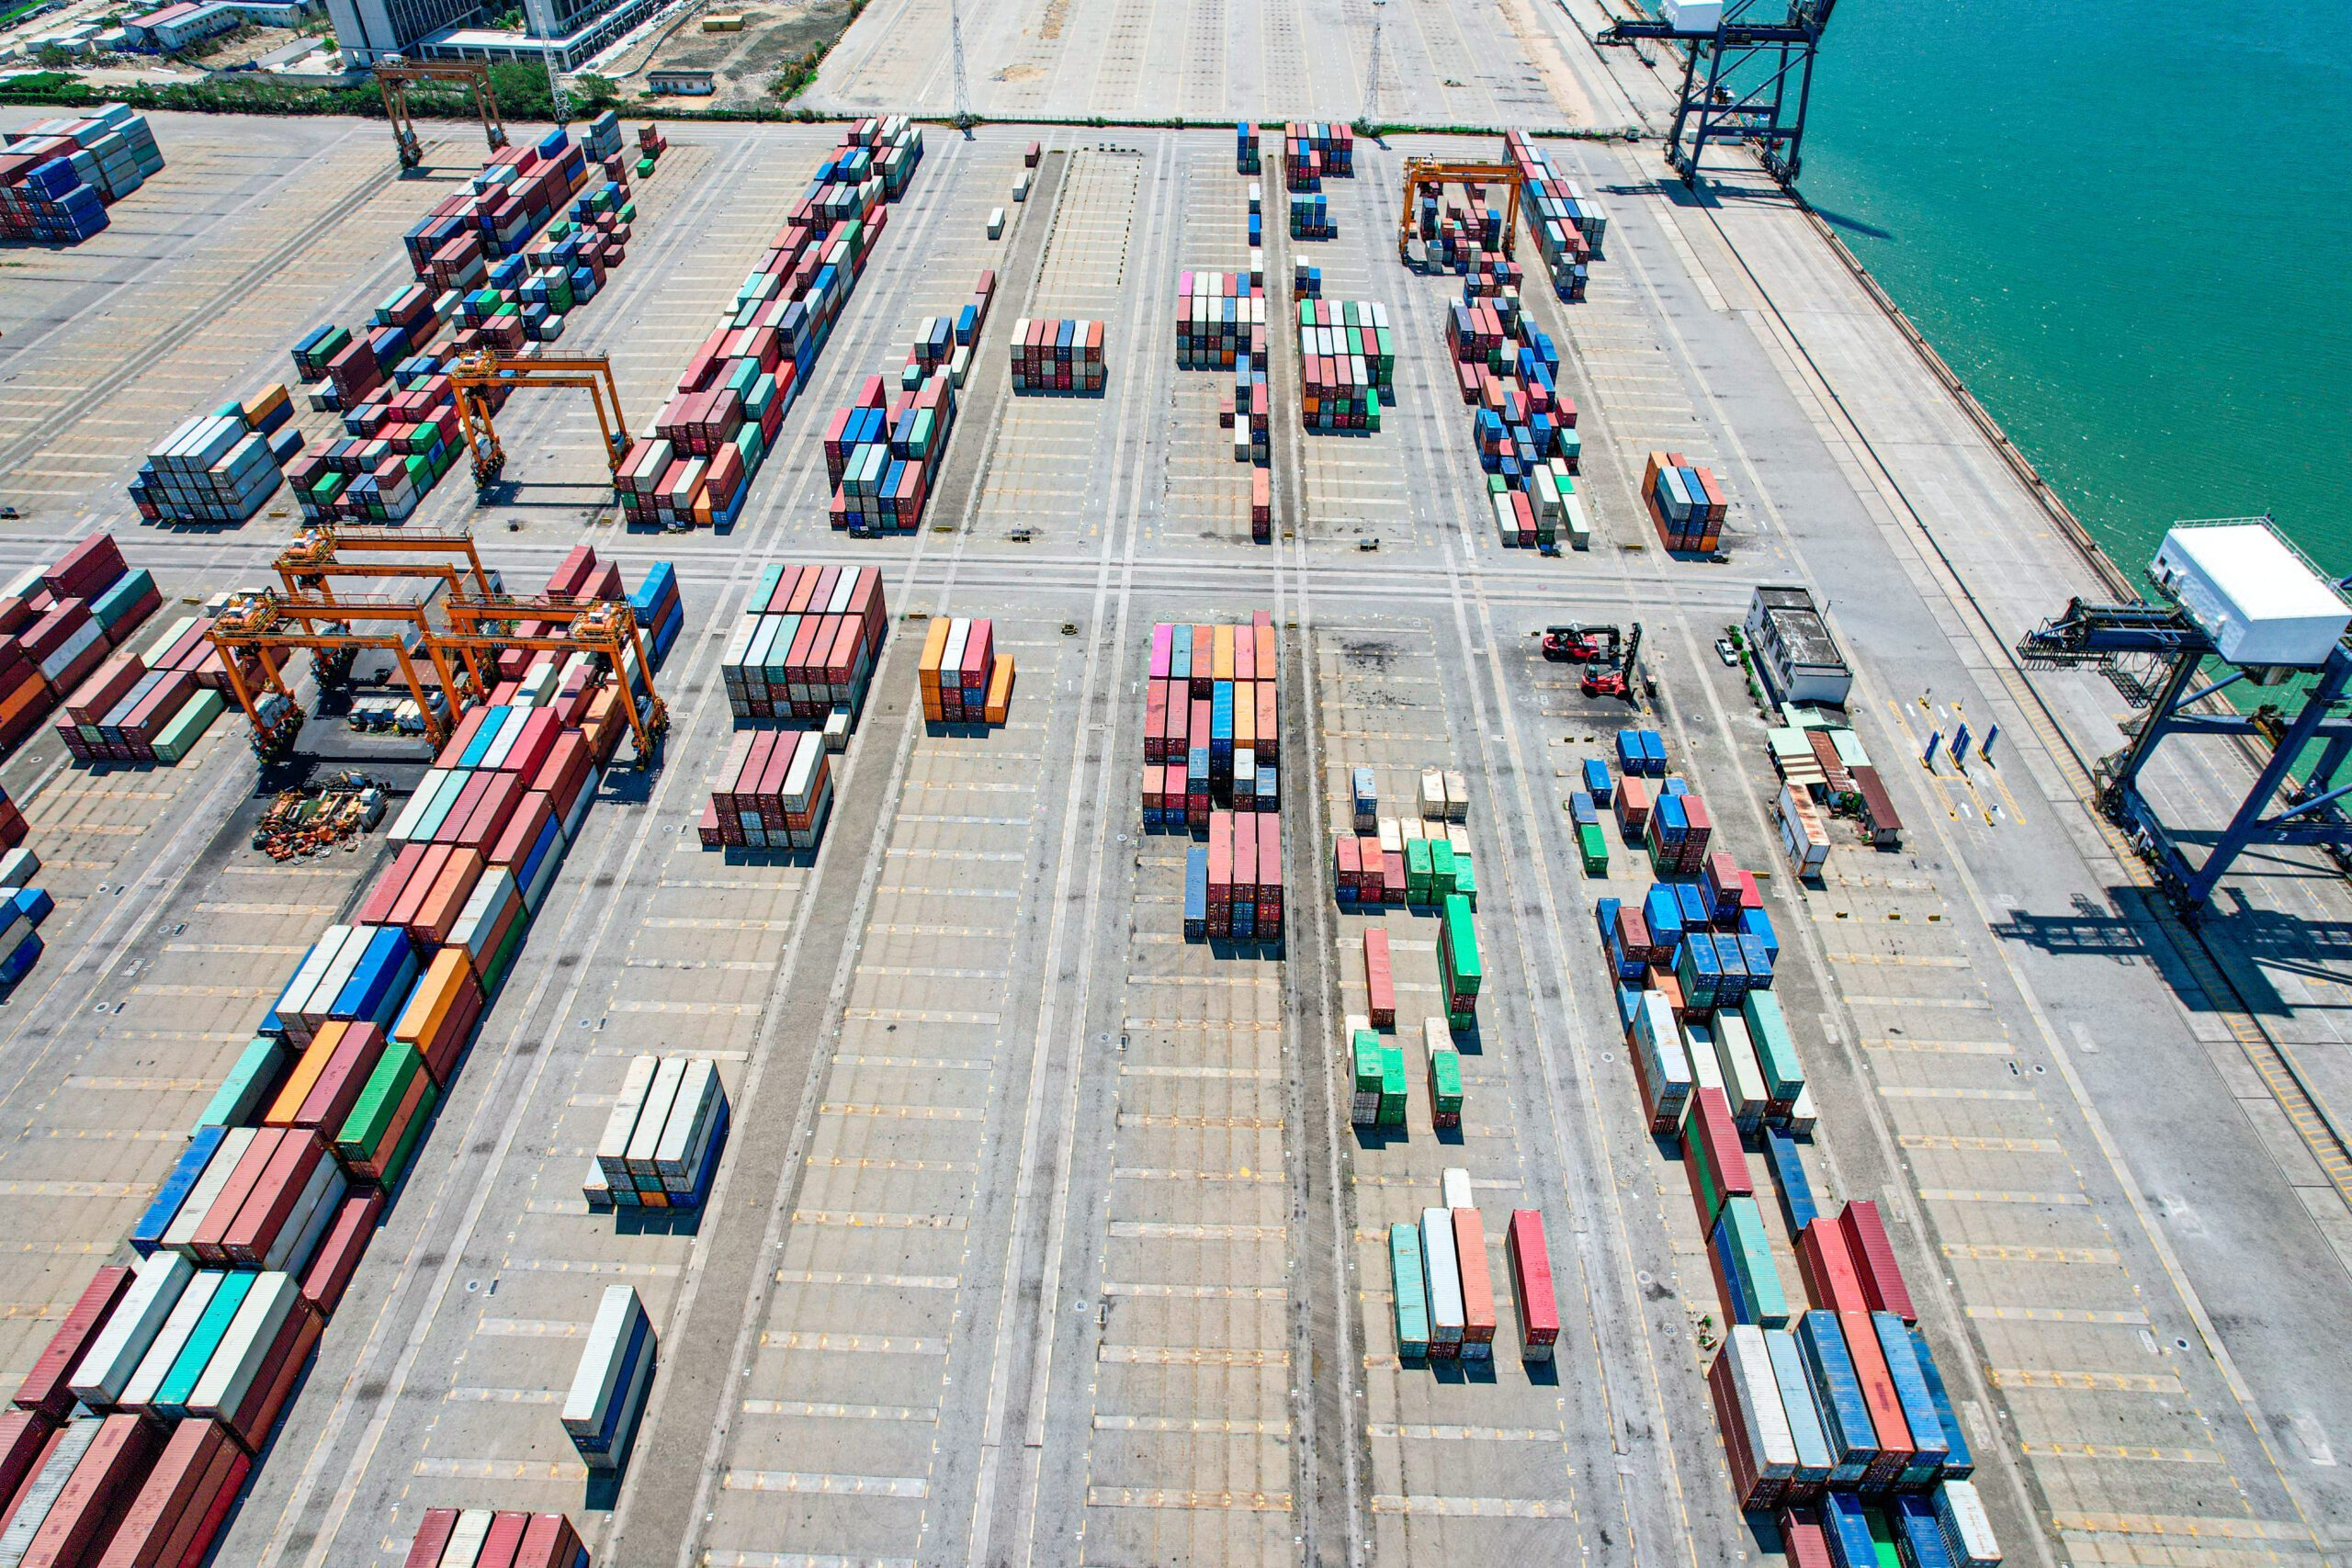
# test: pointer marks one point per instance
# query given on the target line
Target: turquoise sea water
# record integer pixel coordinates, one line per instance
(2128, 227)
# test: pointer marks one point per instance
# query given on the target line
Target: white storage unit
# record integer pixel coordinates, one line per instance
(107, 1366)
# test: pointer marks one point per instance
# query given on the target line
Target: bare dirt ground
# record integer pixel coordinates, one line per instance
(747, 64)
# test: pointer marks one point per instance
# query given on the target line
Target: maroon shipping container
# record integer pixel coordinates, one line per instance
(1881, 1276)
(44, 1387)
(1802, 1538)
(432, 1537)
(174, 1489)
(23, 1435)
(207, 1243)
(384, 893)
(337, 1258)
(1711, 1123)
(117, 1462)
(275, 1194)
(103, 690)
(1825, 1263)
(85, 569)
(548, 1541)
(336, 1089)
(193, 1537)
(273, 1384)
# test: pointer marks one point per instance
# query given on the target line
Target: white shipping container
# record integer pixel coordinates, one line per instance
(1743, 1076)
(1435, 1037)
(179, 1236)
(114, 1355)
(1432, 795)
(41, 1496)
(403, 826)
(1699, 1049)
(632, 1405)
(690, 1117)
(171, 1339)
(647, 1138)
(1968, 1529)
(222, 1386)
(1442, 1275)
(466, 1537)
(594, 1381)
(1454, 1184)
(1768, 1439)
(306, 1222)
(611, 1149)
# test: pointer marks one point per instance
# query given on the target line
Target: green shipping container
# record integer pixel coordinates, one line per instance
(187, 726)
(1442, 865)
(1465, 881)
(1706, 1177)
(371, 1114)
(1392, 1088)
(1416, 871)
(1745, 1221)
(1367, 1055)
(407, 1147)
(240, 1097)
(1594, 848)
(1445, 1080)
(504, 959)
(1776, 1051)
(1409, 1290)
(1458, 947)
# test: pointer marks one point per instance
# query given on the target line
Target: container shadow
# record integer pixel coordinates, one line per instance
(1453, 1369)
(629, 1221)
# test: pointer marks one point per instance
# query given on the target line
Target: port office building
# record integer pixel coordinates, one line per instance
(572, 31)
(1796, 658)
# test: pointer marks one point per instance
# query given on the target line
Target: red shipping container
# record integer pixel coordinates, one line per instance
(191, 1456)
(1270, 866)
(1379, 979)
(193, 1540)
(44, 1387)
(1711, 1122)
(329, 1272)
(116, 1461)
(275, 1194)
(489, 813)
(432, 1535)
(1827, 1269)
(521, 832)
(423, 871)
(1347, 865)
(1530, 1284)
(208, 1245)
(103, 690)
(1392, 875)
(548, 1541)
(1873, 1255)
(1244, 827)
(337, 1087)
(505, 1538)
(383, 894)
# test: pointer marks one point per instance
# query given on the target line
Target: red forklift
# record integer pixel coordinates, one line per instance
(1577, 644)
(1612, 671)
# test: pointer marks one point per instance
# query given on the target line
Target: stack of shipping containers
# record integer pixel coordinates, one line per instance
(965, 677)
(156, 1393)
(1568, 225)
(1314, 149)
(485, 1537)
(64, 633)
(221, 467)
(1347, 363)
(807, 644)
(58, 176)
(775, 791)
(1212, 760)
(883, 452)
(1685, 502)
(1058, 355)
(609, 1387)
(1443, 1289)
(661, 1143)
(1833, 1410)
(498, 265)
(1524, 429)
(709, 440)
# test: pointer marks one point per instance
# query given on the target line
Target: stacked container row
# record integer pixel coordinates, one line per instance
(1212, 723)
(484, 1538)
(1685, 502)
(59, 624)
(58, 176)
(964, 676)
(1057, 355)
(883, 453)
(807, 644)
(661, 1143)
(1347, 363)
(775, 791)
(1233, 883)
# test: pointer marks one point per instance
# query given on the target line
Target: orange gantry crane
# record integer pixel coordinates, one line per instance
(1421, 172)
(481, 378)
(269, 624)
(489, 624)
(317, 555)
(395, 75)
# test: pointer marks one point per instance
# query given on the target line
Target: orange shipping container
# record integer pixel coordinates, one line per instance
(436, 914)
(441, 1012)
(999, 701)
(305, 1075)
(1221, 654)
(934, 649)
(1477, 1285)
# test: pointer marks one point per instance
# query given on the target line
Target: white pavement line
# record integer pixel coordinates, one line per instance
(1058, 1218)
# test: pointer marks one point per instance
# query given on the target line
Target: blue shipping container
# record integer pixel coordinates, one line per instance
(1788, 1179)
(1959, 1463)
(147, 1234)
(1844, 1414)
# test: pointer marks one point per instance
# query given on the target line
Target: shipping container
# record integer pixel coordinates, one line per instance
(1530, 1284)
(1409, 1292)
(1442, 1276)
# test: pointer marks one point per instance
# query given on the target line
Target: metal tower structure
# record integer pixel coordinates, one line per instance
(1747, 76)
(1372, 66)
(2112, 639)
(964, 118)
